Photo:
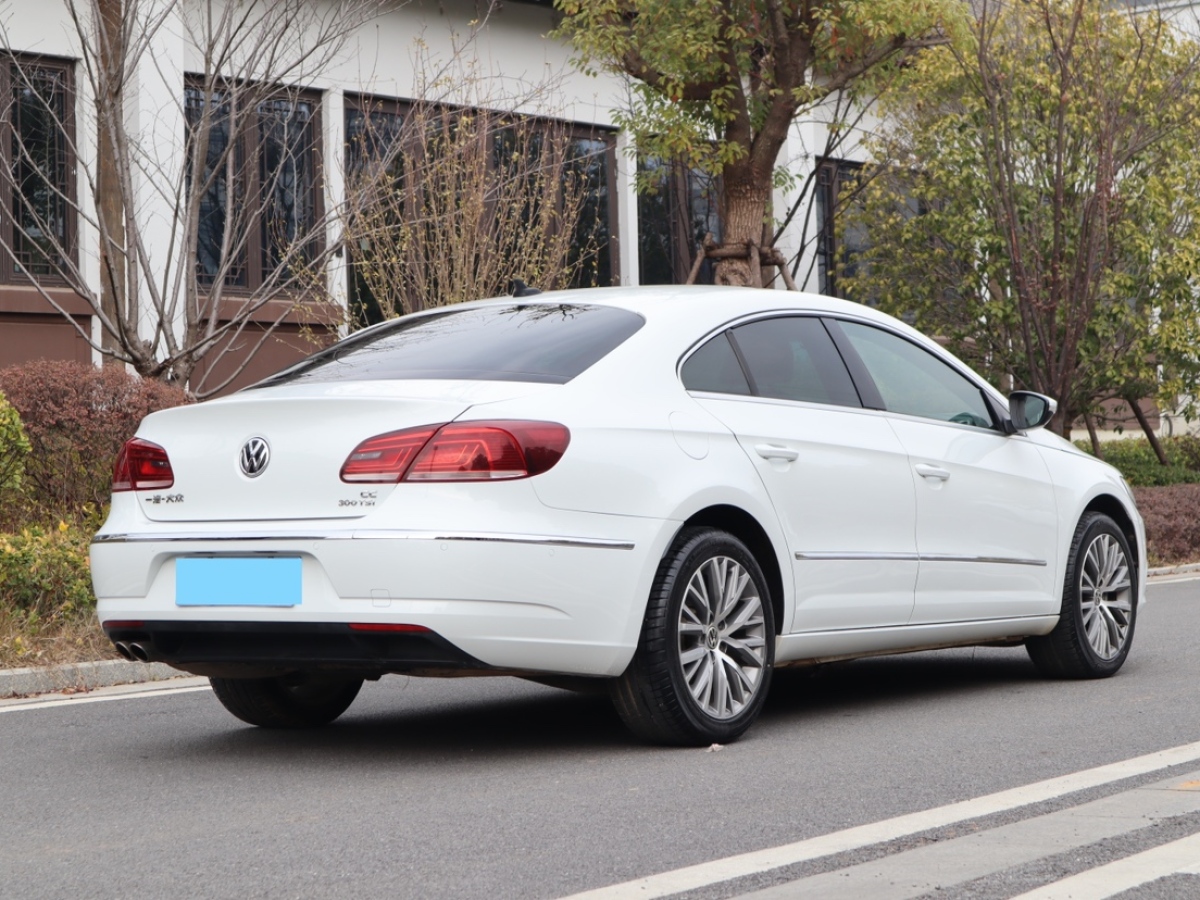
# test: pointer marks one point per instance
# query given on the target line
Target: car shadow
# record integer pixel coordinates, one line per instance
(499, 719)
(545, 722)
(910, 677)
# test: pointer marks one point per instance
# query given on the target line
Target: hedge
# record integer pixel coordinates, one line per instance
(1135, 459)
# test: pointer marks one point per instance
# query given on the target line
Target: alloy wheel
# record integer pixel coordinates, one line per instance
(722, 645)
(1106, 596)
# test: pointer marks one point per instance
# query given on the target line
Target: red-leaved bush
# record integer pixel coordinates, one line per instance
(77, 417)
(1172, 522)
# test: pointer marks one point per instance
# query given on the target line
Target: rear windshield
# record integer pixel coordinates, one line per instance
(547, 343)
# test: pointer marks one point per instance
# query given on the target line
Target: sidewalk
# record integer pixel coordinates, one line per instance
(79, 677)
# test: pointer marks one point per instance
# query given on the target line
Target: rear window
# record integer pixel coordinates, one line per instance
(546, 343)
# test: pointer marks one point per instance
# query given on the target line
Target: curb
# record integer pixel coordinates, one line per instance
(1183, 569)
(81, 677)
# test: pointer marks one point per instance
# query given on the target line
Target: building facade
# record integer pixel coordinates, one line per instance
(465, 53)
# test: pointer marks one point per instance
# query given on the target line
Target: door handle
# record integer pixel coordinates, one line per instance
(775, 451)
(928, 471)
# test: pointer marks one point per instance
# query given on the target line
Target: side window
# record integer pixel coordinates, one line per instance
(715, 368)
(793, 358)
(915, 382)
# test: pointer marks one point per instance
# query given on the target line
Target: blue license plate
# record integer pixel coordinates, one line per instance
(237, 581)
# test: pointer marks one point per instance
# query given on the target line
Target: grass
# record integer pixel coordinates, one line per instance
(72, 639)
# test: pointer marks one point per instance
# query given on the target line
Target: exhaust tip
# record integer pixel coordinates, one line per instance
(139, 653)
(123, 649)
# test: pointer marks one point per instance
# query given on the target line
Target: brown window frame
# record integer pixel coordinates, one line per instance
(679, 184)
(575, 131)
(832, 174)
(10, 272)
(249, 143)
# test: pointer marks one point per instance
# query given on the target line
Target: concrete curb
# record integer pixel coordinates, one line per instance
(91, 675)
(85, 676)
(1183, 569)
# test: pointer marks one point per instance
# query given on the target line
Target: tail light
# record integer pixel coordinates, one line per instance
(459, 451)
(386, 457)
(142, 466)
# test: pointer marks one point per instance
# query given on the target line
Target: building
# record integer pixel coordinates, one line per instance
(454, 51)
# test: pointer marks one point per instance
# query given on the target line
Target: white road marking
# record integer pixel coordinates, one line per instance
(944, 864)
(101, 695)
(1106, 881)
(717, 871)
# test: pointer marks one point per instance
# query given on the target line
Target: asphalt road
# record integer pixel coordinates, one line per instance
(496, 788)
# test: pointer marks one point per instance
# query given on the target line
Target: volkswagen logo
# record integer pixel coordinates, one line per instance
(256, 453)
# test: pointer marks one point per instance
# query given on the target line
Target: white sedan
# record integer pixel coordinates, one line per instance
(665, 492)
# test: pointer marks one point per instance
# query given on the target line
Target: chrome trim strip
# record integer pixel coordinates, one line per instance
(856, 555)
(1000, 560)
(544, 540)
(171, 537)
(918, 557)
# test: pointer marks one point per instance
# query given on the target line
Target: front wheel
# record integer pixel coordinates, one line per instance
(1099, 608)
(298, 700)
(707, 649)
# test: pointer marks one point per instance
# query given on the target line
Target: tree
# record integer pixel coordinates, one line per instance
(211, 233)
(451, 203)
(1038, 203)
(717, 84)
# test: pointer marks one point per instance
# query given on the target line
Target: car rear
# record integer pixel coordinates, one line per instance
(362, 511)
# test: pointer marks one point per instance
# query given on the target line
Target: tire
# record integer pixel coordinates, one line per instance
(664, 695)
(299, 700)
(1099, 607)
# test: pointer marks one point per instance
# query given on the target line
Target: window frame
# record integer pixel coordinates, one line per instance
(11, 274)
(870, 398)
(367, 104)
(248, 144)
(678, 182)
(729, 331)
(832, 175)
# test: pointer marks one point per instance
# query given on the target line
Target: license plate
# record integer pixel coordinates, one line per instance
(237, 581)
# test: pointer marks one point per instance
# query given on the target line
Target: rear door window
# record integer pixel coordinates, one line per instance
(793, 358)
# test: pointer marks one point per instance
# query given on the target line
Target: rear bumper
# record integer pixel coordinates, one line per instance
(259, 648)
(514, 601)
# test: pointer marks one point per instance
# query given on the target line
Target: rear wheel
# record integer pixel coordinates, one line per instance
(298, 700)
(1099, 609)
(707, 648)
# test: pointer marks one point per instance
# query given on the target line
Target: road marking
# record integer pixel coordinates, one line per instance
(948, 863)
(1105, 881)
(19, 705)
(858, 837)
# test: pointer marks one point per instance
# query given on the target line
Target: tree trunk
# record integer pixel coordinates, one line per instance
(109, 201)
(745, 210)
(1095, 438)
(1150, 435)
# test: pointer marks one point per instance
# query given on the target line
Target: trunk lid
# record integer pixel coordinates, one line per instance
(309, 431)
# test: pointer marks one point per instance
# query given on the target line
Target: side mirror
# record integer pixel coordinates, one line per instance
(1029, 410)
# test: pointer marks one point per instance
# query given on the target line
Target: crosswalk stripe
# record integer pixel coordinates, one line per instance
(858, 837)
(1108, 880)
(954, 861)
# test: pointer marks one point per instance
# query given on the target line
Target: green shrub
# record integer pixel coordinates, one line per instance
(44, 573)
(14, 447)
(1136, 460)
